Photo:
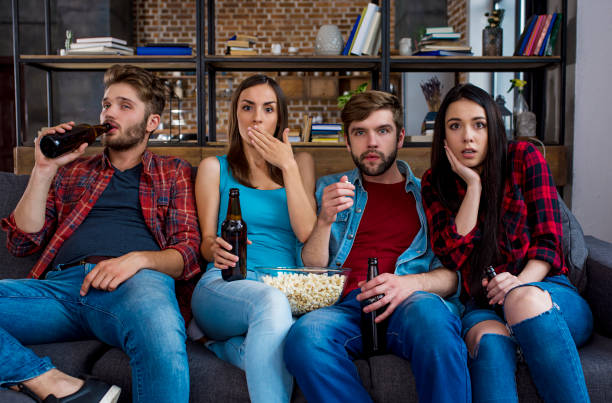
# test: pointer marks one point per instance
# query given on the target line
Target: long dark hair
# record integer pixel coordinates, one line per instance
(493, 176)
(235, 154)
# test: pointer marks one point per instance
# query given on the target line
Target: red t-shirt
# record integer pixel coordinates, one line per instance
(389, 224)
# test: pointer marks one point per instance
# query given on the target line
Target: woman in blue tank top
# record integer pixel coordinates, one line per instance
(249, 320)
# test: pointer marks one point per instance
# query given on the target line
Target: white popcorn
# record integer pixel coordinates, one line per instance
(307, 292)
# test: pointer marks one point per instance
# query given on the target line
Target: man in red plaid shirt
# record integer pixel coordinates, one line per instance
(117, 228)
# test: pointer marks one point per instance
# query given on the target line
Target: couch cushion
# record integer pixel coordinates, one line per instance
(75, 358)
(597, 293)
(211, 379)
(11, 189)
(596, 358)
(10, 396)
(390, 379)
(574, 247)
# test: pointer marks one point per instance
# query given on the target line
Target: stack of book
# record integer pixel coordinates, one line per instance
(106, 45)
(241, 45)
(325, 132)
(165, 49)
(365, 36)
(442, 41)
(539, 36)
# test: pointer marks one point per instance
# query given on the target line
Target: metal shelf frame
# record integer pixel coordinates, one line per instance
(206, 64)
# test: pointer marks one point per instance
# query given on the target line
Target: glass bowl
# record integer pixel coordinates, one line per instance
(306, 288)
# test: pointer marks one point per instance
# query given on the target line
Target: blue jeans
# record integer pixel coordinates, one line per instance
(249, 321)
(141, 317)
(548, 343)
(322, 344)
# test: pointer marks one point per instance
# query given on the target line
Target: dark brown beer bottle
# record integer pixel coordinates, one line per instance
(490, 273)
(373, 335)
(55, 144)
(234, 232)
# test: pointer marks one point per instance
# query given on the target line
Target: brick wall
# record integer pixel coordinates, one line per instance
(457, 16)
(290, 23)
(457, 13)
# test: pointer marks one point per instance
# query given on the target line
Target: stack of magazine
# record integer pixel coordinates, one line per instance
(99, 46)
(442, 41)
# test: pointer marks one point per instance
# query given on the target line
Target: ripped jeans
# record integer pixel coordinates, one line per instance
(548, 343)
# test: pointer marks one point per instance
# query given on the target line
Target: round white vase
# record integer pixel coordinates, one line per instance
(329, 40)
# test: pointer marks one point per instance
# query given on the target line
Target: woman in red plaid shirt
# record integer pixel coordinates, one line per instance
(490, 202)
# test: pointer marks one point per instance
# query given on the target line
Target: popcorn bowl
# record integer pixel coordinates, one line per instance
(306, 288)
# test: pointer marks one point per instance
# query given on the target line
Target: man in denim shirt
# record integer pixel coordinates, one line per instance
(375, 210)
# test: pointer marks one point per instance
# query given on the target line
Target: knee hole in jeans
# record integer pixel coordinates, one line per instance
(526, 302)
(473, 336)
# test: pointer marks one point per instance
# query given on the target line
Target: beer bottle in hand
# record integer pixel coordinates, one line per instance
(55, 144)
(490, 273)
(234, 232)
(373, 335)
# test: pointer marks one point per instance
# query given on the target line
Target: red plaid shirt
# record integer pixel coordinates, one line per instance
(166, 198)
(530, 219)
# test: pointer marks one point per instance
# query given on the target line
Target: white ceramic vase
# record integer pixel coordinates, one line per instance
(329, 40)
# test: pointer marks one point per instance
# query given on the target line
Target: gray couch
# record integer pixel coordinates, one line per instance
(388, 378)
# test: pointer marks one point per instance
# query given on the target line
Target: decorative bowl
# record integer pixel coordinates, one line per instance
(306, 288)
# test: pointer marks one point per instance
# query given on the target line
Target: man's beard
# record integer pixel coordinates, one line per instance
(132, 135)
(386, 162)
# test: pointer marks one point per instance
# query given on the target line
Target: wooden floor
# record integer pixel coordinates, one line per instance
(328, 159)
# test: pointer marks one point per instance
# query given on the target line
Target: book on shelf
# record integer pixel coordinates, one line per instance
(316, 132)
(456, 48)
(307, 123)
(243, 37)
(554, 34)
(113, 45)
(238, 43)
(100, 50)
(524, 38)
(349, 41)
(360, 22)
(326, 126)
(101, 39)
(534, 34)
(163, 51)
(553, 18)
(443, 53)
(377, 44)
(438, 30)
(370, 41)
(362, 30)
(540, 40)
(323, 139)
(441, 42)
(241, 52)
(443, 35)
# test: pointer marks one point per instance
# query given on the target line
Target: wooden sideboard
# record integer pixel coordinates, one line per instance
(328, 159)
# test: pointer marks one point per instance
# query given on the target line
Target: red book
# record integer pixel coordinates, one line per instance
(536, 50)
(537, 29)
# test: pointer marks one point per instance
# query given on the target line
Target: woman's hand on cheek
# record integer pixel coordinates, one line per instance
(274, 151)
(469, 175)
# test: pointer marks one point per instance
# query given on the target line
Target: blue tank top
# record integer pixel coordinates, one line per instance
(267, 217)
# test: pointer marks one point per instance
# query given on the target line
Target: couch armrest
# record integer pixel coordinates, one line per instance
(598, 292)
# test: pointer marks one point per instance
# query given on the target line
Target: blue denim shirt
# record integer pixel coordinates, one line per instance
(418, 258)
